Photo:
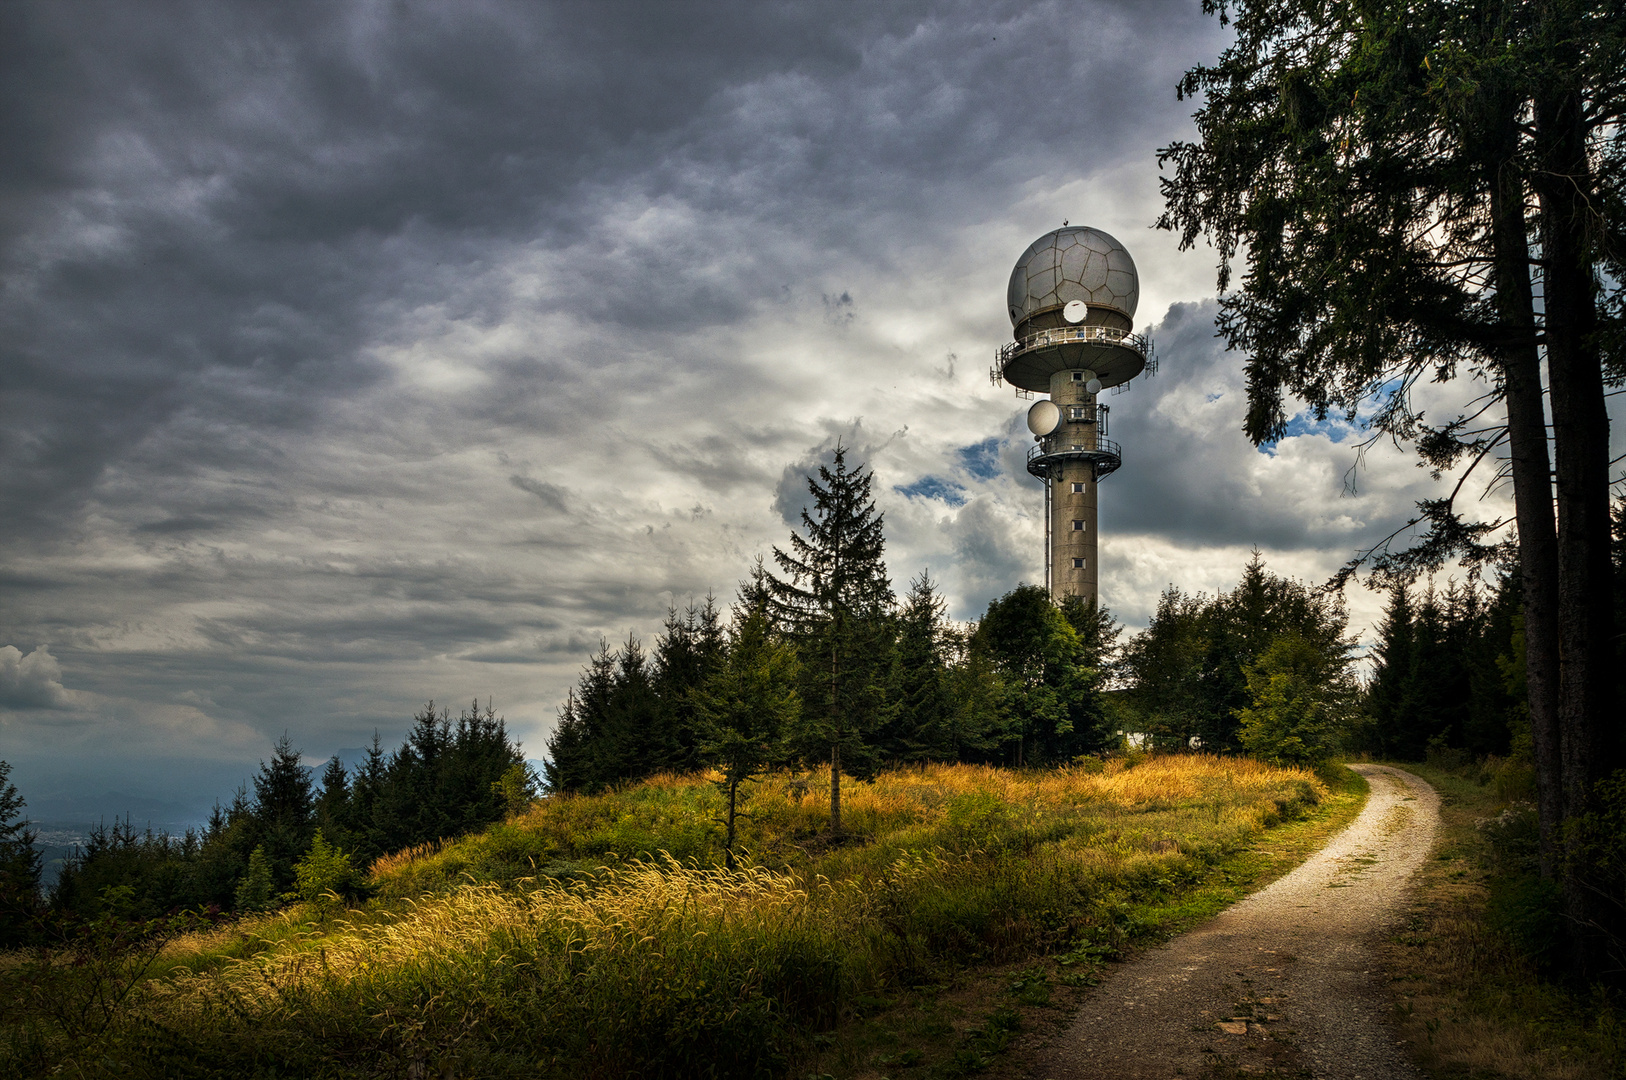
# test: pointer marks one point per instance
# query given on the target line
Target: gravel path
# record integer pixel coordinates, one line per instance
(1280, 982)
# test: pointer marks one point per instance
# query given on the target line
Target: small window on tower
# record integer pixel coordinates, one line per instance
(1078, 526)
(1078, 376)
(1078, 486)
(1078, 412)
(1078, 564)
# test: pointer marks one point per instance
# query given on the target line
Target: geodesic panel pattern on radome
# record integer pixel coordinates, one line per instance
(1075, 263)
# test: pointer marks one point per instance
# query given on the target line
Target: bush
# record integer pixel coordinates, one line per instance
(255, 891)
(325, 873)
(1301, 703)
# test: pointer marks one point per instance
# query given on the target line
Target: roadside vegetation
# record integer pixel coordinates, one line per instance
(1477, 970)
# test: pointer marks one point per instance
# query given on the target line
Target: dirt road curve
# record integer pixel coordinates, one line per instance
(1282, 981)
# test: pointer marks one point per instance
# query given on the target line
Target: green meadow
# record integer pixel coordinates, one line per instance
(599, 936)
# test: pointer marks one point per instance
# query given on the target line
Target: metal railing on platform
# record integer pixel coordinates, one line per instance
(1068, 335)
(1104, 455)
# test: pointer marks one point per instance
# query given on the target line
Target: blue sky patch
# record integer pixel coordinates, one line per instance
(981, 459)
(1306, 424)
(934, 487)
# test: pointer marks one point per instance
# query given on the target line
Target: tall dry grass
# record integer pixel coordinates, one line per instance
(788, 815)
(573, 940)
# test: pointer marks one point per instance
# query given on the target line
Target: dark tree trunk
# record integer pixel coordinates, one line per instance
(733, 805)
(1532, 480)
(1581, 459)
(835, 790)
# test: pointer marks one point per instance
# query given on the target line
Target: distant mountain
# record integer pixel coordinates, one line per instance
(110, 806)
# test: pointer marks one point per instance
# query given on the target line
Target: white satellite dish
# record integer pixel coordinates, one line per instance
(1043, 417)
(1075, 311)
(1093, 386)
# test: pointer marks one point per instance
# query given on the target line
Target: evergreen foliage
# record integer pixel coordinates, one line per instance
(448, 778)
(1399, 175)
(283, 820)
(745, 708)
(255, 891)
(324, 873)
(920, 728)
(630, 717)
(836, 603)
(19, 865)
(1439, 674)
(1187, 674)
(1304, 699)
(878, 683)
(1051, 700)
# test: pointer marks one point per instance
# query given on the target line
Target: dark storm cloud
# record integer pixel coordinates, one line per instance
(352, 354)
(194, 188)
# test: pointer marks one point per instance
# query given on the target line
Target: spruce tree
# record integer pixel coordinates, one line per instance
(19, 865)
(333, 802)
(744, 710)
(407, 811)
(283, 814)
(686, 653)
(1392, 673)
(1241, 624)
(836, 600)
(1387, 167)
(980, 720)
(364, 809)
(635, 747)
(566, 767)
(258, 888)
(919, 727)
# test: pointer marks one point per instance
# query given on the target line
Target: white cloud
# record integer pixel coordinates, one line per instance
(31, 681)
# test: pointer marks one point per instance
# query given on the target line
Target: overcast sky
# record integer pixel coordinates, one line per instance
(356, 354)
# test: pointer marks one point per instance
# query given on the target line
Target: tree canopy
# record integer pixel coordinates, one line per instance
(1404, 178)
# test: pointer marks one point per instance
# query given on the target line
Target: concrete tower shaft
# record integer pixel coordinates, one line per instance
(1073, 489)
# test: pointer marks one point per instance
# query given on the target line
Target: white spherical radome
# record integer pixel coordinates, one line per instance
(1074, 263)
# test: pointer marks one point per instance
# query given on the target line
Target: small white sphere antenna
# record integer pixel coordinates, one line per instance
(1093, 386)
(1043, 417)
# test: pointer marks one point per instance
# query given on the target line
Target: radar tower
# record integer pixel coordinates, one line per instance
(1072, 301)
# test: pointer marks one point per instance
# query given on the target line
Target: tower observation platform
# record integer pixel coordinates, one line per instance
(1072, 299)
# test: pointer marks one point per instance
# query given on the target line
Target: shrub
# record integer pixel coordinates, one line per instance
(1302, 701)
(324, 873)
(255, 891)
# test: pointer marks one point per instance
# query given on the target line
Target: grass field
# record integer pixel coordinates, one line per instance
(599, 936)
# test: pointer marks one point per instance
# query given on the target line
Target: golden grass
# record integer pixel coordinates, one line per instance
(598, 936)
(789, 813)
